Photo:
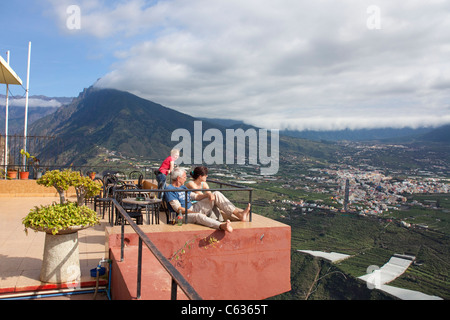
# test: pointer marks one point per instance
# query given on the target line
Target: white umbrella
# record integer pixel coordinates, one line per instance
(7, 75)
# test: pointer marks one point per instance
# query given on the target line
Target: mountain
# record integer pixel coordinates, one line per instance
(223, 122)
(108, 119)
(405, 135)
(112, 119)
(39, 107)
(359, 134)
(101, 120)
(16, 117)
(441, 134)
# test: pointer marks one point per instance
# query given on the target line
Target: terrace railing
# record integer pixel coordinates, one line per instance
(177, 278)
(35, 145)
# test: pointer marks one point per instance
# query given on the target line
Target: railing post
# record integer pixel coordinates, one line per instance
(139, 274)
(122, 240)
(113, 210)
(250, 201)
(185, 206)
(173, 293)
(177, 279)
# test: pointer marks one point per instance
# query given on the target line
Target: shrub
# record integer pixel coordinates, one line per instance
(57, 217)
(62, 180)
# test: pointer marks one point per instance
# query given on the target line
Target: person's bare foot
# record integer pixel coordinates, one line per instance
(226, 226)
(245, 214)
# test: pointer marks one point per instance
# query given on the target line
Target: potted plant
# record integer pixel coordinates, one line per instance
(31, 160)
(60, 180)
(84, 187)
(58, 219)
(35, 162)
(12, 173)
(61, 223)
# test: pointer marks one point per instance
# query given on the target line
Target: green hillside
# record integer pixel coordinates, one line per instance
(114, 120)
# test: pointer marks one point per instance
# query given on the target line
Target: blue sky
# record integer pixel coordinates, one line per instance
(62, 64)
(294, 64)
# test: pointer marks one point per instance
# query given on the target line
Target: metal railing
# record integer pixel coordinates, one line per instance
(121, 171)
(35, 146)
(177, 278)
(13, 159)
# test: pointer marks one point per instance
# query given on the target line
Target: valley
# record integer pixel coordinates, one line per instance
(391, 210)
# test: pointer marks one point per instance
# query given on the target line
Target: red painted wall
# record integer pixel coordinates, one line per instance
(248, 264)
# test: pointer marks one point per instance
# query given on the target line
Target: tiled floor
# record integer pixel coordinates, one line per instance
(21, 254)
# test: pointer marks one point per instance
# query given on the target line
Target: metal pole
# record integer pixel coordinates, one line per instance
(186, 207)
(139, 274)
(250, 201)
(173, 291)
(122, 240)
(24, 160)
(6, 121)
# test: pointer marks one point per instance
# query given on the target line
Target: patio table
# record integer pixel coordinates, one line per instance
(152, 204)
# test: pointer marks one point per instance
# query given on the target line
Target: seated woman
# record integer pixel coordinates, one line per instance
(199, 176)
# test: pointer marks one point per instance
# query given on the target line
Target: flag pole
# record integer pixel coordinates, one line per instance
(6, 121)
(25, 132)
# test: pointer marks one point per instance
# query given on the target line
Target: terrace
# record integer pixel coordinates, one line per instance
(253, 262)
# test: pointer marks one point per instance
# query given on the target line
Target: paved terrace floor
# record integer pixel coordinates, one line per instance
(21, 255)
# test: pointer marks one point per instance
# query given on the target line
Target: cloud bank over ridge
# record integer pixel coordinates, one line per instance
(280, 64)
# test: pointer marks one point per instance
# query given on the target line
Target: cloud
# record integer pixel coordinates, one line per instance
(33, 102)
(106, 18)
(287, 63)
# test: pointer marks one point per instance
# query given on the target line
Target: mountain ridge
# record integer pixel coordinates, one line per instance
(120, 121)
(406, 134)
(115, 120)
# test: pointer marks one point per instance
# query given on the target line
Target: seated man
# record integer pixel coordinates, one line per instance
(198, 213)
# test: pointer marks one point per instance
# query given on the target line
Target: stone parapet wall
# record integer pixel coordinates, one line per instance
(29, 188)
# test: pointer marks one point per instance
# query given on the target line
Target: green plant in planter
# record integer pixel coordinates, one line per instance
(31, 160)
(84, 186)
(57, 217)
(61, 180)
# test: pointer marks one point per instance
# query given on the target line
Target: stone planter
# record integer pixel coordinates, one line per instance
(61, 262)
